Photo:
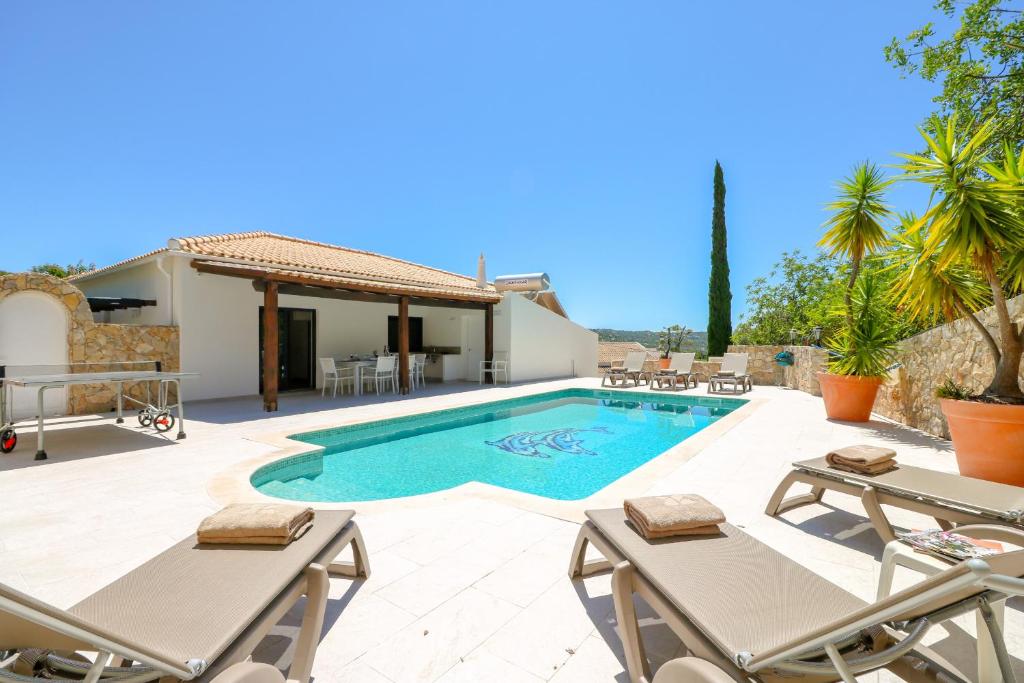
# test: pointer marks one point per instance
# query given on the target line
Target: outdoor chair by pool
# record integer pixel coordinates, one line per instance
(195, 609)
(333, 376)
(381, 375)
(680, 368)
(498, 365)
(949, 498)
(758, 615)
(632, 370)
(732, 372)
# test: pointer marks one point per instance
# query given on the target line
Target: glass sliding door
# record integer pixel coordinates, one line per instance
(296, 348)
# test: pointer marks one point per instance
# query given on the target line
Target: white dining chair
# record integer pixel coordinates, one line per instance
(499, 364)
(416, 369)
(381, 374)
(331, 377)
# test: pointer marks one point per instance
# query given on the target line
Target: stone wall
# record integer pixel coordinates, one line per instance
(808, 361)
(761, 362)
(955, 351)
(111, 343)
(92, 342)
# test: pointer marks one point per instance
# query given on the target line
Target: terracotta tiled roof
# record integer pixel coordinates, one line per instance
(327, 260)
(342, 282)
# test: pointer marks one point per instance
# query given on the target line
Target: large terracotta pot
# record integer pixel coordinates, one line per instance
(663, 363)
(988, 439)
(847, 397)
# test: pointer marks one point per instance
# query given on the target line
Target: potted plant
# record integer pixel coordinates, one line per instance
(863, 346)
(972, 241)
(860, 354)
(671, 339)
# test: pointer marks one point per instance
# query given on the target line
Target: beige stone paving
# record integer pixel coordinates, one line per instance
(464, 588)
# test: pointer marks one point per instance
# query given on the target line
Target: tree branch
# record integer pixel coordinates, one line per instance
(985, 334)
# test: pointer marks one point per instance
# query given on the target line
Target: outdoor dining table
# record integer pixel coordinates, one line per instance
(357, 364)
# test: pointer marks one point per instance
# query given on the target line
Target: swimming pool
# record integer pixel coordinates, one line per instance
(564, 445)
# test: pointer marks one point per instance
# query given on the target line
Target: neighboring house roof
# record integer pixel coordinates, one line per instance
(549, 300)
(339, 265)
(609, 352)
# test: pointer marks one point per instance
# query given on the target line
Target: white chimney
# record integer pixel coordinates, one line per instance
(481, 272)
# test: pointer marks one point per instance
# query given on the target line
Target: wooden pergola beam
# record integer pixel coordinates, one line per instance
(263, 274)
(489, 340)
(270, 341)
(403, 344)
(367, 297)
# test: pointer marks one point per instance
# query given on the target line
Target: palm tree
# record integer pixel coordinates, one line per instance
(927, 292)
(855, 228)
(976, 222)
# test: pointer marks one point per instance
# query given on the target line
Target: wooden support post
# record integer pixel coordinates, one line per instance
(489, 340)
(270, 341)
(403, 344)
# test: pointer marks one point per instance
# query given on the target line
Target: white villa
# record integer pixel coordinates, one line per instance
(329, 301)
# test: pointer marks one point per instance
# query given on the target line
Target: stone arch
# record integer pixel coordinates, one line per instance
(70, 298)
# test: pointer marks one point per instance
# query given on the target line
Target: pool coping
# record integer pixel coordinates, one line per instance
(232, 485)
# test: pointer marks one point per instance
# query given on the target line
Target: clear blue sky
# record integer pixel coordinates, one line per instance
(577, 138)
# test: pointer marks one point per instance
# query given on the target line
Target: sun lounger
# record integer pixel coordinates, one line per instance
(758, 615)
(632, 370)
(680, 368)
(949, 498)
(194, 610)
(732, 372)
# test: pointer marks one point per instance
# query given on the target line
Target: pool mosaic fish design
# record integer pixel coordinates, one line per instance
(561, 440)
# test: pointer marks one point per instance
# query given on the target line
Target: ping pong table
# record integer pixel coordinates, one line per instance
(89, 375)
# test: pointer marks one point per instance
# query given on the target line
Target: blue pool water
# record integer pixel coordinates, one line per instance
(564, 445)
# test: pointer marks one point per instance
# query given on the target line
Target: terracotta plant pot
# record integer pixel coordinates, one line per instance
(663, 363)
(848, 397)
(988, 439)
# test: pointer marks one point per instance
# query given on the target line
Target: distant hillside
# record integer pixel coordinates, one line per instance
(698, 341)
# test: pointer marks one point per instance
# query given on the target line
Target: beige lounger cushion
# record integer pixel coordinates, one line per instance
(191, 601)
(976, 493)
(743, 595)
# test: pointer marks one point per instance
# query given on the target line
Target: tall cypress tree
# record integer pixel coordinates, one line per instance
(719, 295)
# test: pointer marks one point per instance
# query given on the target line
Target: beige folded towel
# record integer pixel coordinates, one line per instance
(256, 523)
(725, 373)
(679, 515)
(862, 459)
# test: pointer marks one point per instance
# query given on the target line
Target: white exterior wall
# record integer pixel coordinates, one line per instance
(144, 281)
(219, 321)
(542, 344)
(34, 331)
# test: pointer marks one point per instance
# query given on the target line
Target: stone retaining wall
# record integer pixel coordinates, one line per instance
(106, 342)
(955, 351)
(808, 361)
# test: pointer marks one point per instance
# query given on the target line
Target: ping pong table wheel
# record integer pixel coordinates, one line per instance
(163, 421)
(8, 440)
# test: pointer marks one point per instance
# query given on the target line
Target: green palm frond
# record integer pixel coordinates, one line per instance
(867, 347)
(924, 290)
(975, 217)
(855, 227)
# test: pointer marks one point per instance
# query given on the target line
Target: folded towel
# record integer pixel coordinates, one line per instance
(679, 515)
(256, 523)
(725, 373)
(862, 459)
(667, 371)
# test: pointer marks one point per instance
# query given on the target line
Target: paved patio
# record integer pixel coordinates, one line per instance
(463, 588)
